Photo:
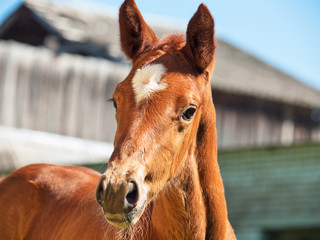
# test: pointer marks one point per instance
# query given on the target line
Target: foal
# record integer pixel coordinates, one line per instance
(163, 180)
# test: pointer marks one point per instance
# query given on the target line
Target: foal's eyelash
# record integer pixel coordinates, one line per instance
(114, 103)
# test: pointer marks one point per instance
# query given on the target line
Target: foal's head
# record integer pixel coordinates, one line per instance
(158, 109)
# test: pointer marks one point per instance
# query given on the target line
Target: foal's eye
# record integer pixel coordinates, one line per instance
(188, 113)
(114, 104)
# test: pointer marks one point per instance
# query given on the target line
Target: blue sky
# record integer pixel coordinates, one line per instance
(285, 34)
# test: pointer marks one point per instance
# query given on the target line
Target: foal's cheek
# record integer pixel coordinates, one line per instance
(156, 183)
(150, 196)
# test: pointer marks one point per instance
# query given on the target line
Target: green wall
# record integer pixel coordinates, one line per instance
(273, 190)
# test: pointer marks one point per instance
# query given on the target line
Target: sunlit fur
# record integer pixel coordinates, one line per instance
(148, 80)
(172, 160)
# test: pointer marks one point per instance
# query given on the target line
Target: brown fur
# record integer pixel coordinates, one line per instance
(174, 159)
(136, 35)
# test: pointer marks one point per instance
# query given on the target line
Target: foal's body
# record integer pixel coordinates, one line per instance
(163, 180)
(50, 202)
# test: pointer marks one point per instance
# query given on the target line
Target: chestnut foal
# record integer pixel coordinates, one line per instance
(163, 180)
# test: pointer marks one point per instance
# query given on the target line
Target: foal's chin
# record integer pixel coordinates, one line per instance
(125, 220)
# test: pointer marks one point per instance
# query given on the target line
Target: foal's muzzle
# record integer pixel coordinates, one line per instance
(119, 200)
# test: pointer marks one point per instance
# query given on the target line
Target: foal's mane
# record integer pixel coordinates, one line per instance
(171, 43)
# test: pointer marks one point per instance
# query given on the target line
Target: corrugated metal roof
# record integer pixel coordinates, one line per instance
(236, 71)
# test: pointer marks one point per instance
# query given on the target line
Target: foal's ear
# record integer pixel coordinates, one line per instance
(136, 36)
(200, 39)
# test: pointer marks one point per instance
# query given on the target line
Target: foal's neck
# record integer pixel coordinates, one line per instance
(179, 211)
(217, 225)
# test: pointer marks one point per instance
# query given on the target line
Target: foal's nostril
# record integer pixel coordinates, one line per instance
(100, 196)
(132, 194)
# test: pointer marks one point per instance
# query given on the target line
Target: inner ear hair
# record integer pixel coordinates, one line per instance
(200, 43)
(136, 36)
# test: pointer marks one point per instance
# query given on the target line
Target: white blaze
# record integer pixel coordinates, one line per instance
(147, 80)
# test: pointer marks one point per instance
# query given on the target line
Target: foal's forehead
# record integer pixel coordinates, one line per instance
(166, 73)
(158, 79)
(148, 80)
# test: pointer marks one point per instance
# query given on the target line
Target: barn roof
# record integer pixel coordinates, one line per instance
(79, 25)
(241, 73)
(237, 72)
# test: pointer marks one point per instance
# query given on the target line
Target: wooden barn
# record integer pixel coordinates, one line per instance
(256, 104)
(59, 66)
